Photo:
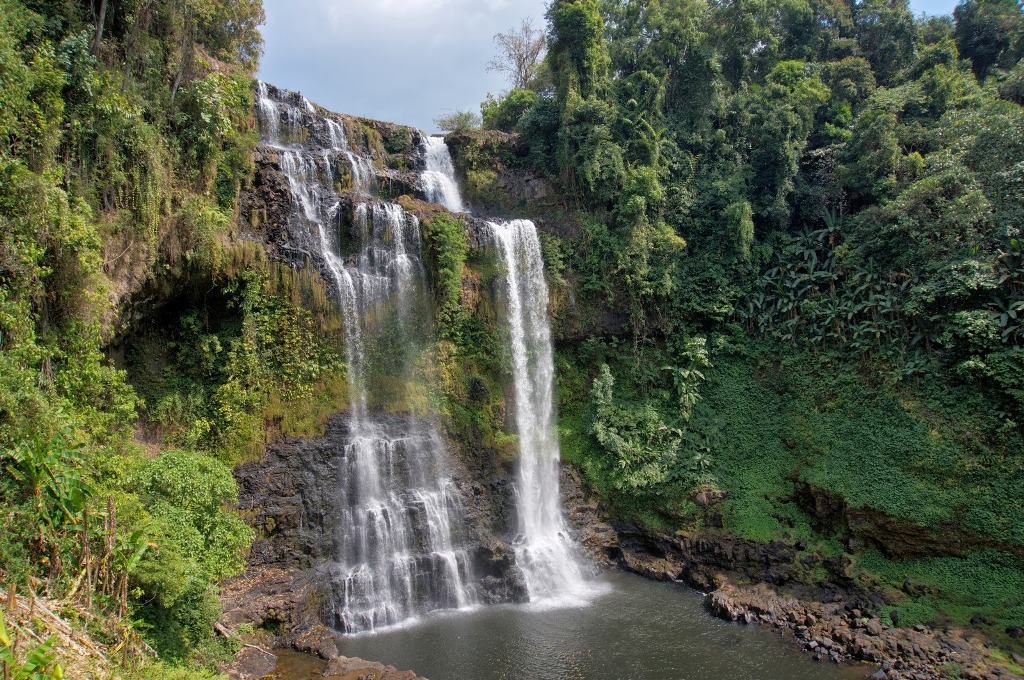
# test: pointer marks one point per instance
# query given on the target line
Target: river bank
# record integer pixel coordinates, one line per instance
(835, 620)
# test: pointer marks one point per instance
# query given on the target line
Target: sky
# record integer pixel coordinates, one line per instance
(404, 61)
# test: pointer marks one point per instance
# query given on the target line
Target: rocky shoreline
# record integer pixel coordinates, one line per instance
(836, 620)
(748, 582)
(839, 632)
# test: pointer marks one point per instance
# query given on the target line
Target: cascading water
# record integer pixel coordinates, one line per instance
(551, 561)
(548, 556)
(439, 177)
(398, 550)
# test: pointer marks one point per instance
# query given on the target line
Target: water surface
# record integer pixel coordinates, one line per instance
(638, 630)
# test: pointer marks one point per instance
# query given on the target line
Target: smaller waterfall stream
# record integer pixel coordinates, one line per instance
(439, 177)
(549, 557)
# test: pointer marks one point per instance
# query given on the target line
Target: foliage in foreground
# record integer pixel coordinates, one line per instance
(123, 149)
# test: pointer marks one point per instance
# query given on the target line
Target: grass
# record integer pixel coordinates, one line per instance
(986, 586)
(924, 453)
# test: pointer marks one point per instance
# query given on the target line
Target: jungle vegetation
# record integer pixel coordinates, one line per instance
(126, 133)
(807, 215)
(804, 214)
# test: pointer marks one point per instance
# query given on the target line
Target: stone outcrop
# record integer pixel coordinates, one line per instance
(587, 519)
(344, 668)
(896, 538)
(494, 175)
(842, 632)
(266, 208)
(697, 558)
(252, 662)
(285, 498)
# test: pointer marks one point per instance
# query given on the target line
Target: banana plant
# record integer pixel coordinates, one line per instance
(833, 224)
(1011, 261)
(38, 664)
(1006, 313)
(701, 461)
(46, 467)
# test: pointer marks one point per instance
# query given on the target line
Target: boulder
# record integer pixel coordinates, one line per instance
(250, 663)
(355, 669)
(708, 495)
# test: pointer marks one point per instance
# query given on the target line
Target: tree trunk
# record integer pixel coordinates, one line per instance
(141, 22)
(186, 54)
(99, 28)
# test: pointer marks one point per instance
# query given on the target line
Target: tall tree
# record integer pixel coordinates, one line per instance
(100, 21)
(229, 29)
(886, 33)
(520, 53)
(989, 32)
(578, 54)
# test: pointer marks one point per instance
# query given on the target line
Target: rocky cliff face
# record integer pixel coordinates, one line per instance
(291, 496)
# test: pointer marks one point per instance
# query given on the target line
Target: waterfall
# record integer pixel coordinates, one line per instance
(399, 549)
(439, 176)
(288, 123)
(549, 557)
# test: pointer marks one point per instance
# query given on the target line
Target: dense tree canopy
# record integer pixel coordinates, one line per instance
(125, 136)
(817, 188)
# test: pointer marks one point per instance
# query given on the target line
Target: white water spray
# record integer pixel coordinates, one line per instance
(439, 177)
(550, 558)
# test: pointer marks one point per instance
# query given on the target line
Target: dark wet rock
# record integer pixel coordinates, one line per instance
(285, 499)
(840, 566)
(265, 209)
(698, 558)
(501, 579)
(588, 518)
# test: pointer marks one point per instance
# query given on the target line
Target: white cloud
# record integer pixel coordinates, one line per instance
(400, 60)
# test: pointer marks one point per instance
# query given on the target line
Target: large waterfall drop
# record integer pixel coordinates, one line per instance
(399, 551)
(549, 557)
